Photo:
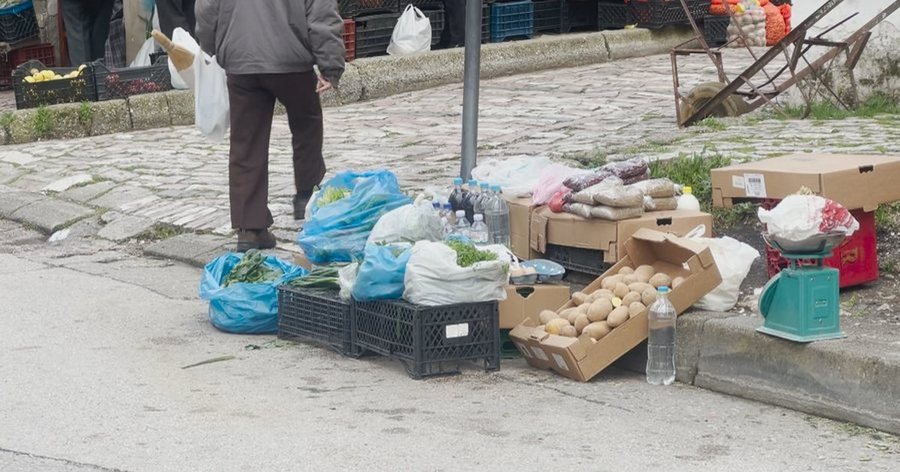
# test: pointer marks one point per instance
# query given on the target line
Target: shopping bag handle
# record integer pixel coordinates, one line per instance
(698, 232)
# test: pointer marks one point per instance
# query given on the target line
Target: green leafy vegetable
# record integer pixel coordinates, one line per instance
(320, 277)
(252, 270)
(468, 255)
(332, 194)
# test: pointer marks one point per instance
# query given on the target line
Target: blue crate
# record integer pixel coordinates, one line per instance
(512, 20)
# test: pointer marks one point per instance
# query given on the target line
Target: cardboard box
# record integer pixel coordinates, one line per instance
(520, 210)
(527, 301)
(565, 229)
(855, 181)
(581, 358)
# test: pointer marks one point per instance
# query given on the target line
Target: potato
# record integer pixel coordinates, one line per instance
(639, 287)
(547, 315)
(599, 310)
(610, 282)
(621, 290)
(581, 322)
(569, 332)
(635, 309)
(597, 330)
(644, 272)
(579, 298)
(631, 298)
(626, 271)
(629, 279)
(648, 296)
(555, 326)
(573, 314)
(677, 281)
(660, 280)
(617, 317)
(603, 293)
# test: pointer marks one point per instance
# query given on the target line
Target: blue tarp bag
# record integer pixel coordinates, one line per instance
(337, 232)
(382, 272)
(244, 308)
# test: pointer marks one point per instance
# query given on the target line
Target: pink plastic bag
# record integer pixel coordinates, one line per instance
(551, 182)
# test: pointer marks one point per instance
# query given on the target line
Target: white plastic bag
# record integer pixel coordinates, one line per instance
(211, 105)
(518, 176)
(551, 181)
(143, 56)
(412, 33)
(433, 278)
(799, 217)
(347, 279)
(183, 80)
(734, 259)
(409, 223)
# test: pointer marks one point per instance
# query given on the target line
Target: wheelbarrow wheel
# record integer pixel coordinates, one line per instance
(703, 93)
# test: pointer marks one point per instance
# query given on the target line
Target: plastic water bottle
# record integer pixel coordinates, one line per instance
(479, 232)
(447, 211)
(462, 227)
(483, 198)
(458, 195)
(436, 205)
(687, 200)
(446, 227)
(471, 197)
(496, 215)
(661, 340)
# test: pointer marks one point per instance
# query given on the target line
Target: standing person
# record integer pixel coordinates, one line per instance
(87, 26)
(268, 50)
(175, 14)
(454, 33)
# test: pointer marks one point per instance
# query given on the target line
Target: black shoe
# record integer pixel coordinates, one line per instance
(300, 202)
(255, 239)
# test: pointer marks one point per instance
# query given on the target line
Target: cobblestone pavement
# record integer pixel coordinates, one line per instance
(622, 108)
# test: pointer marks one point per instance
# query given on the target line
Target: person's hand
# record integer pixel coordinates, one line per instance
(322, 85)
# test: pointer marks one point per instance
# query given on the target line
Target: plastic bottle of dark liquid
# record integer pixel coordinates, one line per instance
(471, 197)
(457, 196)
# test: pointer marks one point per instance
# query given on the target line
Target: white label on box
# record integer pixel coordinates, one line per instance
(737, 181)
(523, 349)
(457, 331)
(755, 185)
(540, 354)
(561, 362)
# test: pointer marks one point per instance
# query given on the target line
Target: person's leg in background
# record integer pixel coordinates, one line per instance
(78, 33)
(176, 14)
(304, 110)
(251, 108)
(101, 15)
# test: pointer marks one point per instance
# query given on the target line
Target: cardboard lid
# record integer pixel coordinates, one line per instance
(814, 164)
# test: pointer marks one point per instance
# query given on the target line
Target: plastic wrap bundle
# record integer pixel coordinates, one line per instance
(630, 171)
(751, 22)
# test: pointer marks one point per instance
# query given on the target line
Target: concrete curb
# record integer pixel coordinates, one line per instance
(842, 380)
(364, 79)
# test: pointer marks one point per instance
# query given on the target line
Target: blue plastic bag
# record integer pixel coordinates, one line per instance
(338, 232)
(381, 275)
(243, 308)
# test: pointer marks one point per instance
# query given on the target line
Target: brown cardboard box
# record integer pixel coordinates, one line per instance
(857, 182)
(565, 229)
(520, 210)
(527, 301)
(581, 358)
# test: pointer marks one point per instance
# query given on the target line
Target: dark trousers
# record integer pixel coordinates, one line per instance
(87, 26)
(252, 106)
(176, 14)
(454, 32)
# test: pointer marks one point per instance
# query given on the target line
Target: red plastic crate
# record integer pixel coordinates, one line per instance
(11, 60)
(350, 40)
(856, 258)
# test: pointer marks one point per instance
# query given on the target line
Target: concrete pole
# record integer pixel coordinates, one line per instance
(471, 78)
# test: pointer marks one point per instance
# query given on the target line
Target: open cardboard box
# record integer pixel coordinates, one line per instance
(854, 181)
(520, 210)
(583, 358)
(565, 229)
(527, 301)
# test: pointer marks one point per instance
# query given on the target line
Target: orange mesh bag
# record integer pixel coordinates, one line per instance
(775, 29)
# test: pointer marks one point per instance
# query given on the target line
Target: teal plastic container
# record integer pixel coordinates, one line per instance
(802, 304)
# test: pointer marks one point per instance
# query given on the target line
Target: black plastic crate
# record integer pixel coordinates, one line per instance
(547, 16)
(373, 34)
(715, 30)
(113, 84)
(430, 341)
(508, 349)
(354, 8)
(512, 20)
(422, 4)
(655, 14)
(436, 17)
(613, 15)
(576, 259)
(18, 23)
(486, 23)
(579, 15)
(74, 90)
(316, 316)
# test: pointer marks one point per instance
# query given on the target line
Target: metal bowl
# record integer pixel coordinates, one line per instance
(817, 244)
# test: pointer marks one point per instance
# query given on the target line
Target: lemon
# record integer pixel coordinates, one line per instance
(48, 74)
(29, 79)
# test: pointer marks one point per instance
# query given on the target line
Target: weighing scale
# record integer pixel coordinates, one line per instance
(802, 302)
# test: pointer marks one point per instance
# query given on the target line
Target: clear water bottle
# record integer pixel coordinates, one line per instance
(447, 211)
(483, 196)
(496, 215)
(458, 195)
(471, 197)
(661, 340)
(462, 227)
(479, 232)
(446, 227)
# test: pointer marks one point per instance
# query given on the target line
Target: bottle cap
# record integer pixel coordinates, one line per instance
(458, 181)
(473, 182)
(479, 217)
(687, 190)
(495, 188)
(663, 289)
(460, 213)
(485, 185)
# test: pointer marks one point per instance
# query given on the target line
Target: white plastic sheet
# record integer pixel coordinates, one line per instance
(433, 278)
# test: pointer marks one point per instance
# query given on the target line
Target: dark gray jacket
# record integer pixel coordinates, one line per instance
(272, 36)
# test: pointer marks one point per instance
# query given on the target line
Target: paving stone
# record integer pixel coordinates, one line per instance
(88, 192)
(66, 183)
(51, 214)
(14, 200)
(194, 249)
(125, 227)
(120, 196)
